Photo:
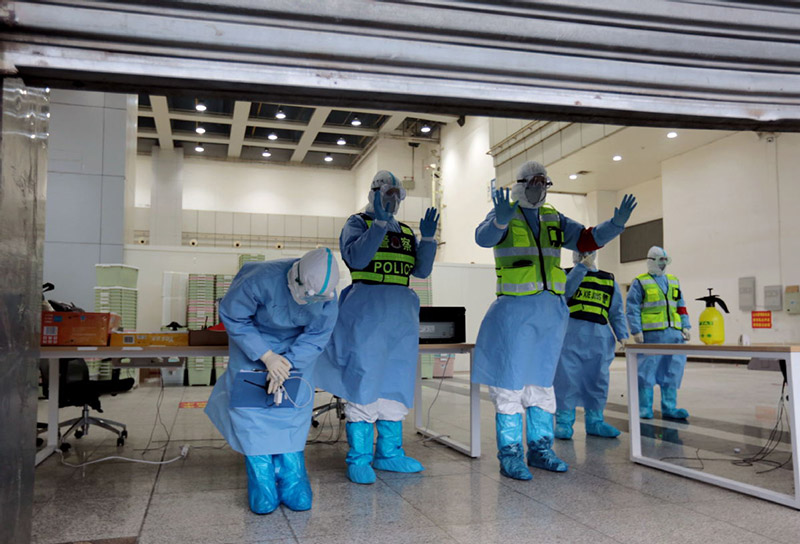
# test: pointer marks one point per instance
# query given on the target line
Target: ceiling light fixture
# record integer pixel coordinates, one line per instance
(341, 141)
(200, 130)
(280, 114)
(356, 122)
(671, 135)
(272, 136)
(616, 158)
(199, 148)
(266, 152)
(573, 176)
(328, 158)
(200, 107)
(433, 165)
(425, 129)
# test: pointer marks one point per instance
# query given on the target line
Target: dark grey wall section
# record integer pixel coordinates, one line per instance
(22, 185)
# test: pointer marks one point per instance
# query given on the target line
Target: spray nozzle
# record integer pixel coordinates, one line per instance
(712, 299)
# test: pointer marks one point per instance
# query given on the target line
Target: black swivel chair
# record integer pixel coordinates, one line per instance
(76, 389)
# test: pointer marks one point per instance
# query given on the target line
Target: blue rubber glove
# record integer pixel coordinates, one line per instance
(381, 214)
(427, 225)
(623, 213)
(503, 210)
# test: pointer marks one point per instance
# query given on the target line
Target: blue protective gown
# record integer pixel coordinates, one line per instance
(582, 374)
(664, 370)
(520, 338)
(374, 348)
(260, 314)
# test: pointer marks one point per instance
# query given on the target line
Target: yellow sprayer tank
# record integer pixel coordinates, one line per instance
(712, 324)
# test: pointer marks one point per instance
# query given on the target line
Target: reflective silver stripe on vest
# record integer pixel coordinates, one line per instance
(526, 252)
(647, 281)
(520, 287)
(527, 287)
(516, 251)
(654, 326)
(550, 217)
(655, 304)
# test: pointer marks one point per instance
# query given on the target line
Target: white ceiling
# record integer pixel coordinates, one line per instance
(642, 150)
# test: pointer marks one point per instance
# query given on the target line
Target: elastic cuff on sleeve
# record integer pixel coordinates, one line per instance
(499, 225)
(380, 223)
(427, 239)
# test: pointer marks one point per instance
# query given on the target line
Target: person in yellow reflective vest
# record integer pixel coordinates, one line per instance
(520, 338)
(595, 310)
(657, 315)
(371, 360)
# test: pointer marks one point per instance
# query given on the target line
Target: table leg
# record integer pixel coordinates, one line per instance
(474, 414)
(52, 412)
(634, 426)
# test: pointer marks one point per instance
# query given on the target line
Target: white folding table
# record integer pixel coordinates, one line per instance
(789, 353)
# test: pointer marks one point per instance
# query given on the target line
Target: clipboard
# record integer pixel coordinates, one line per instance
(249, 390)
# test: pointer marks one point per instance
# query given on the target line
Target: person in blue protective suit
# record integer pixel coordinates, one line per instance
(279, 316)
(594, 303)
(520, 338)
(657, 315)
(371, 361)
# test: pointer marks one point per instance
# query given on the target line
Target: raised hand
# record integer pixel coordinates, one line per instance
(428, 224)
(623, 213)
(503, 210)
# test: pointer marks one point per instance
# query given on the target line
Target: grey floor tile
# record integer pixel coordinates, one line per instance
(185, 478)
(342, 508)
(466, 498)
(210, 517)
(388, 533)
(546, 529)
(89, 518)
(772, 520)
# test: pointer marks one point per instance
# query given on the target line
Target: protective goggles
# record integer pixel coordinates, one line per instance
(661, 260)
(537, 179)
(391, 192)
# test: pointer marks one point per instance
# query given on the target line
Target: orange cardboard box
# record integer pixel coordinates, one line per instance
(78, 328)
(123, 339)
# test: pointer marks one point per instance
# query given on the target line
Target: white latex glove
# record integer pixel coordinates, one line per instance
(638, 337)
(623, 343)
(278, 367)
(686, 335)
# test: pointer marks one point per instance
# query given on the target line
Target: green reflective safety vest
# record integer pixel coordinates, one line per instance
(394, 260)
(660, 311)
(592, 300)
(526, 265)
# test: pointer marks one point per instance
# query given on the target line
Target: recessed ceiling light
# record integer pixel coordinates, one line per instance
(573, 176)
(266, 152)
(672, 135)
(433, 165)
(280, 114)
(328, 158)
(272, 136)
(47, 115)
(616, 158)
(200, 130)
(47, 89)
(199, 148)
(356, 122)
(341, 141)
(425, 129)
(200, 106)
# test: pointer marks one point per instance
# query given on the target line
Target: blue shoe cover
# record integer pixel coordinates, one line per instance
(294, 489)
(261, 489)
(359, 459)
(646, 402)
(509, 447)
(564, 421)
(389, 454)
(669, 400)
(596, 426)
(540, 441)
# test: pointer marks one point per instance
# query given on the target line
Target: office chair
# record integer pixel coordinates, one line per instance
(331, 405)
(76, 389)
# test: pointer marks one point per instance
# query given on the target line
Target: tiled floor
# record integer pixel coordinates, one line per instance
(604, 498)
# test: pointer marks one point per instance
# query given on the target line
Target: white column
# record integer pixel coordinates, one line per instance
(166, 197)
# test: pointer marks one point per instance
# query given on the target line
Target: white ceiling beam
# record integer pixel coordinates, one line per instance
(310, 134)
(161, 116)
(435, 117)
(393, 122)
(241, 112)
